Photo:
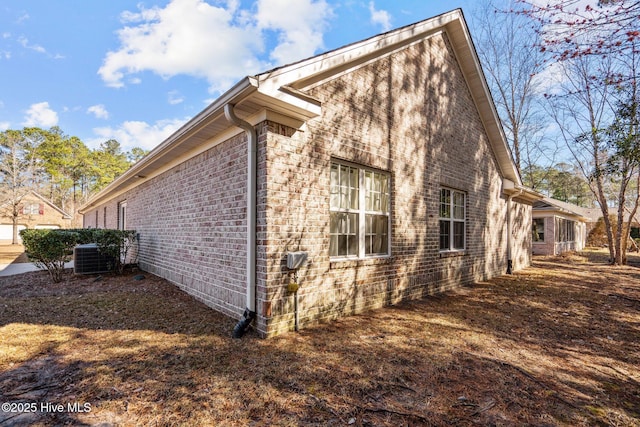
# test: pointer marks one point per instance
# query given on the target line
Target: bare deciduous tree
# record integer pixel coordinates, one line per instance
(505, 45)
(595, 45)
(17, 172)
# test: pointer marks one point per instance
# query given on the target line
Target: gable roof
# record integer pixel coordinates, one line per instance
(550, 205)
(278, 94)
(46, 201)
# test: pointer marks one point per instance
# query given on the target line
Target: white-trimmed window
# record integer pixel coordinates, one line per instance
(33, 209)
(359, 206)
(452, 220)
(122, 215)
(565, 230)
(538, 230)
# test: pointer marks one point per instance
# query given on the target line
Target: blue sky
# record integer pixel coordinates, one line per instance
(136, 70)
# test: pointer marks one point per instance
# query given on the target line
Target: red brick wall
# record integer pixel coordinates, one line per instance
(192, 225)
(412, 115)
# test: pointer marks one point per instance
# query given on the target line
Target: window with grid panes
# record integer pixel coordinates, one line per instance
(452, 220)
(538, 229)
(359, 208)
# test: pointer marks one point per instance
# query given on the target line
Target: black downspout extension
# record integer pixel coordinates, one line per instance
(243, 325)
(509, 266)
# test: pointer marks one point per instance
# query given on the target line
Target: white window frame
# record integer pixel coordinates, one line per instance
(565, 230)
(377, 197)
(122, 215)
(452, 219)
(31, 208)
(534, 230)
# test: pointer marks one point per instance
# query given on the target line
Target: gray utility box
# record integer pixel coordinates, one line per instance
(295, 260)
(88, 260)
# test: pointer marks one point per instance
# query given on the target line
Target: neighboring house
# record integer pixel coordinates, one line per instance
(35, 212)
(384, 161)
(560, 226)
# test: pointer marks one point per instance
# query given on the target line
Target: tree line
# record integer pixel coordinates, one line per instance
(58, 166)
(564, 78)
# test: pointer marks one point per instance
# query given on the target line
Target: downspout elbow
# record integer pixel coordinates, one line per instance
(252, 167)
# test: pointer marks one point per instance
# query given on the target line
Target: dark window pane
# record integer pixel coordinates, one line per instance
(334, 223)
(538, 230)
(342, 245)
(377, 234)
(444, 235)
(458, 235)
(333, 246)
(353, 246)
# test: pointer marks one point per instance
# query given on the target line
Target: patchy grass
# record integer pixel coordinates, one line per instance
(557, 344)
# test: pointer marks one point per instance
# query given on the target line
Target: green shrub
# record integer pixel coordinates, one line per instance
(85, 235)
(49, 249)
(117, 244)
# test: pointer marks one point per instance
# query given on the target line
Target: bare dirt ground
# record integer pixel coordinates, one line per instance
(555, 345)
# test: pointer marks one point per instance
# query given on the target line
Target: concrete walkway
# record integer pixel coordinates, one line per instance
(22, 267)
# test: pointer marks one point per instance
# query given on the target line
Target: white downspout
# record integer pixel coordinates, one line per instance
(509, 251)
(252, 167)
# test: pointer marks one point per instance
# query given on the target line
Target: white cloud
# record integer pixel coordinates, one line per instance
(99, 111)
(186, 37)
(22, 18)
(136, 133)
(4, 126)
(219, 43)
(301, 25)
(25, 43)
(40, 115)
(549, 80)
(380, 17)
(175, 97)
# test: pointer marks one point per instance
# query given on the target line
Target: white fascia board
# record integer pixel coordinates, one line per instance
(272, 82)
(239, 91)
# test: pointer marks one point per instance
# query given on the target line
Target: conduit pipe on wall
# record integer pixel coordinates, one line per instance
(509, 231)
(252, 166)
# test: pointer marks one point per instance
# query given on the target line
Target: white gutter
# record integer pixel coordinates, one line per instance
(252, 168)
(236, 93)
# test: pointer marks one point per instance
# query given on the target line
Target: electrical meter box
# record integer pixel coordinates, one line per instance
(295, 260)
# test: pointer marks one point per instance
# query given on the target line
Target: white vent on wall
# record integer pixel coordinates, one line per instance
(88, 260)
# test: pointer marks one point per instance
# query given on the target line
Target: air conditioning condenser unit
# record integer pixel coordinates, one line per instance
(87, 259)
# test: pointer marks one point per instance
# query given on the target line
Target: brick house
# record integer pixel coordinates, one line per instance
(35, 211)
(384, 161)
(560, 226)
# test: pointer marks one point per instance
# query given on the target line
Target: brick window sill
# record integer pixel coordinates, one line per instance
(452, 254)
(336, 264)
